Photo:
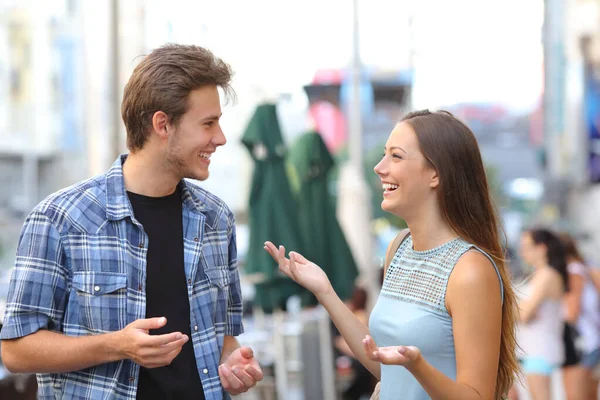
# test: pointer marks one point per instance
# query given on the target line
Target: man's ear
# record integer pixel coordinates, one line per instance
(160, 124)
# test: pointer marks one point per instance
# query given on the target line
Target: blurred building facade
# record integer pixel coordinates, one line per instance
(38, 106)
(573, 157)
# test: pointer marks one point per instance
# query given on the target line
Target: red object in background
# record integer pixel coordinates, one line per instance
(536, 127)
(328, 118)
(328, 77)
(330, 122)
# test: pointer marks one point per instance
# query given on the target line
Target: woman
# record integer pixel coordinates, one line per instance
(542, 331)
(583, 311)
(446, 312)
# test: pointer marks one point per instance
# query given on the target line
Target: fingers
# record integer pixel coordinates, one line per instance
(237, 380)
(368, 340)
(397, 355)
(299, 257)
(288, 267)
(278, 255)
(149, 323)
(150, 350)
(160, 340)
(371, 349)
(244, 377)
(230, 381)
(272, 250)
(410, 352)
(162, 352)
(391, 356)
(292, 265)
(281, 255)
(157, 351)
(164, 360)
(246, 352)
(255, 372)
(370, 354)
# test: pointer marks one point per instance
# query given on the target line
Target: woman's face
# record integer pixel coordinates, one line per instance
(406, 177)
(531, 252)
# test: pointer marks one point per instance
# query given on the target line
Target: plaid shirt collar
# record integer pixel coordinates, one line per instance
(118, 205)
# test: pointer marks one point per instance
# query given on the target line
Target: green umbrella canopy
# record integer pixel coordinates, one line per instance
(325, 243)
(272, 212)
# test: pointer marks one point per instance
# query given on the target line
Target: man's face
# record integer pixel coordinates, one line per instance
(197, 136)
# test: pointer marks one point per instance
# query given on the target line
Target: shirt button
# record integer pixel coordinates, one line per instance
(196, 239)
(96, 288)
(141, 245)
(205, 371)
(196, 328)
(140, 287)
(131, 379)
(190, 281)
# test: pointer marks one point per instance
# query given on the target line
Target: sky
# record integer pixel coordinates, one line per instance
(461, 51)
(479, 50)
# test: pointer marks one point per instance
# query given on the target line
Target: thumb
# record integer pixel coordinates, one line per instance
(299, 257)
(408, 352)
(246, 352)
(149, 323)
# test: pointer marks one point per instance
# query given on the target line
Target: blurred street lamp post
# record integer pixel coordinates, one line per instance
(554, 85)
(115, 137)
(354, 204)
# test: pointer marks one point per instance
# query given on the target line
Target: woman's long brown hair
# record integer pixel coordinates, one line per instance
(466, 203)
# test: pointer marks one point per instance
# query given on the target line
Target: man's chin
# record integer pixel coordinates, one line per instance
(197, 177)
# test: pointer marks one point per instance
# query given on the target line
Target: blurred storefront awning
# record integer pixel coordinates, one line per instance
(325, 243)
(272, 209)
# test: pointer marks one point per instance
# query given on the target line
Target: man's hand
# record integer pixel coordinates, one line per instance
(150, 351)
(240, 371)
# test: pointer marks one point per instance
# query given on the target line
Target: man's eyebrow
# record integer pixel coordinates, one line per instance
(212, 117)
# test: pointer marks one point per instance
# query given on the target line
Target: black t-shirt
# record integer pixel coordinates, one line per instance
(166, 296)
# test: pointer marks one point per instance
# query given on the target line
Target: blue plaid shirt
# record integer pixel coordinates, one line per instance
(81, 270)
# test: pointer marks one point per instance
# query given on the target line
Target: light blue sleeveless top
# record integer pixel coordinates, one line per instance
(411, 311)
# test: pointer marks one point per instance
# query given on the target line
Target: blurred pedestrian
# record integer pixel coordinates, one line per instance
(446, 313)
(126, 285)
(583, 311)
(542, 329)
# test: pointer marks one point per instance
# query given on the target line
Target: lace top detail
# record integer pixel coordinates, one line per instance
(411, 311)
(421, 277)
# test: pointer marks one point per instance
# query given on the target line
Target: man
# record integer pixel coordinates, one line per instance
(126, 285)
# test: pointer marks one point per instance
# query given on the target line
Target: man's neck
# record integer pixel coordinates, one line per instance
(143, 175)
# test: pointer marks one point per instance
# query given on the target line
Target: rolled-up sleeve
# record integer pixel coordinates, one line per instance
(38, 284)
(234, 325)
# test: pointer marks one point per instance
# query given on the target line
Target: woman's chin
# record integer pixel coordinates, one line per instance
(389, 206)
